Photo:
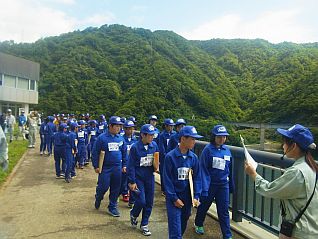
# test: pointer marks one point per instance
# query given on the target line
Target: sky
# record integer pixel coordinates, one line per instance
(273, 20)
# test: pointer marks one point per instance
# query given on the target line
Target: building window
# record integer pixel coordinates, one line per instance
(0, 79)
(23, 83)
(9, 81)
(32, 85)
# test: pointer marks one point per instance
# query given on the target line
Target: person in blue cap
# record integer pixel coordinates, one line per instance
(82, 139)
(217, 181)
(153, 120)
(179, 163)
(92, 136)
(141, 179)
(50, 131)
(60, 139)
(102, 125)
(113, 165)
(70, 151)
(43, 136)
(174, 139)
(130, 139)
(297, 185)
(164, 138)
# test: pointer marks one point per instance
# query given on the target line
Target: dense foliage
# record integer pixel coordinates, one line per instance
(130, 71)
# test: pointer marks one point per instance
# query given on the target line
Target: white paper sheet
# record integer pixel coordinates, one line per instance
(248, 157)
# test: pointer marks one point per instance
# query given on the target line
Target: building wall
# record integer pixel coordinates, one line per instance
(18, 83)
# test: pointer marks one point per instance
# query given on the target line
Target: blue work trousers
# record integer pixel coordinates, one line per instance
(221, 195)
(178, 217)
(124, 184)
(70, 163)
(49, 143)
(110, 177)
(144, 199)
(81, 154)
(59, 157)
(43, 143)
(161, 166)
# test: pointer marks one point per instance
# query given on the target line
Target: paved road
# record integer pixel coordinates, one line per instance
(36, 205)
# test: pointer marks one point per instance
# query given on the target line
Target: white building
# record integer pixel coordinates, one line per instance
(18, 84)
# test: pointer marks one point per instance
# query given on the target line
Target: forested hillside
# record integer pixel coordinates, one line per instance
(127, 71)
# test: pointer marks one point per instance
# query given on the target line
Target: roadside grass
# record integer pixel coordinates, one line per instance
(16, 150)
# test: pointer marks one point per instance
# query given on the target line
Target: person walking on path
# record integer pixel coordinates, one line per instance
(10, 122)
(140, 171)
(179, 163)
(114, 163)
(217, 181)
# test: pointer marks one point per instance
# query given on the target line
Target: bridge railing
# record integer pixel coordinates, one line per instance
(245, 202)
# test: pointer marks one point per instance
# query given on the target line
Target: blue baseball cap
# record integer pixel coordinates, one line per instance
(148, 129)
(63, 126)
(132, 118)
(189, 131)
(129, 124)
(74, 125)
(153, 117)
(219, 130)
(169, 122)
(82, 122)
(299, 134)
(181, 121)
(115, 120)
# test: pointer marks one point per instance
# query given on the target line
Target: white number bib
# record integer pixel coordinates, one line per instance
(101, 127)
(146, 161)
(113, 146)
(93, 132)
(183, 173)
(81, 134)
(218, 163)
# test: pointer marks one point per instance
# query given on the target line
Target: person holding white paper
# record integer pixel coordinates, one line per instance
(295, 187)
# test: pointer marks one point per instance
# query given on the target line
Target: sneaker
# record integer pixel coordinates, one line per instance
(133, 221)
(30, 146)
(73, 176)
(145, 231)
(97, 204)
(68, 180)
(62, 175)
(114, 212)
(130, 205)
(57, 176)
(126, 198)
(198, 230)
(41, 153)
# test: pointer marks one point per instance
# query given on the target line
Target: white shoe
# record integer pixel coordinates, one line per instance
(145, 231)
(30, 146)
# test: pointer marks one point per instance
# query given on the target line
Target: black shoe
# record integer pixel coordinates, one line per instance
(97, 203)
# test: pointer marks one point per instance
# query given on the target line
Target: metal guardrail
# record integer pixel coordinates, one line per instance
(245, 202)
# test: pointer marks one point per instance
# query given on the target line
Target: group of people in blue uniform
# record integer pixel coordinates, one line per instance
(126, 166)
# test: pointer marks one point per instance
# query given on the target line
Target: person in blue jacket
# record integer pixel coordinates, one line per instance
(82, 139)
(70, 151)
(130, 139)
(179, 163)
(217, 181)
(43, 132)
(50, 130)
(164, 139)
(153, 120)
(60, 139)
(22, 124)
(141, 179)
(92, 136)
(114, 163)
(174, 139)
(102, 125)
